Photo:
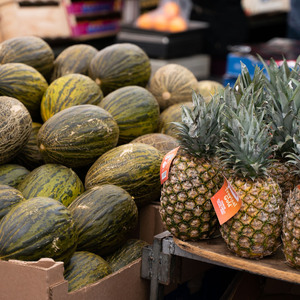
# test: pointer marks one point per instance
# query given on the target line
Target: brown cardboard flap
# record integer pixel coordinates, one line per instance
(123, 284)
(28, 280)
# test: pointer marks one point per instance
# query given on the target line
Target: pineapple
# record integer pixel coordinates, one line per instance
(254, 231)
(283, 89)
(194, 175)
(291, 219)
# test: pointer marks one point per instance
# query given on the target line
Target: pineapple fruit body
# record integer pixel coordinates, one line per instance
(285, 176)
(254, 231)
(291, 229)
(186, 209)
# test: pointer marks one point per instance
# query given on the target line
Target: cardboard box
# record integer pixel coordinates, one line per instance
(43, 280)
(46, 21)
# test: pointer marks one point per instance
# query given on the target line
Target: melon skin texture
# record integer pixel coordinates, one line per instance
(162, 142)
(172, 84)
(85, 268)
(120, 65)
(36, 228)
(52, 180)
(104, 215)
(126, 254)
(135, 110)
(9, 197)
(134, 167)
(67, 91)
(12, 174)
(24, 83)
(73, 59)
(30, 50)
(78, 135)
(172, 114)
(15, 127)
(30, 156)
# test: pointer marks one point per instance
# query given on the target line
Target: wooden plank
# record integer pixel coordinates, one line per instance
(216, 251)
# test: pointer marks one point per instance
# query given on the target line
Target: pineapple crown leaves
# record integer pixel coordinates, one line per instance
(257, 83)
(283, 110)
(245, 141)
(293, 158)
(284, 72)
(199, 131)
(244, 80)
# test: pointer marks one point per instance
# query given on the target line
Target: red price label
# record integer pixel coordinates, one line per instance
(166, 163)
(226, 202)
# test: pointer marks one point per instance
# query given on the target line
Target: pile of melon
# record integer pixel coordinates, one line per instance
(82, 140)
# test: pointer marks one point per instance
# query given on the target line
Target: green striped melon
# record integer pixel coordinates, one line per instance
(135, 109)
(73, 59)
(130, 251)
(85, 268)
(171, 114)
(163, 142)
(30, 156)
(67, 91)
(15, 127)
(172, 83)
(120, 65)
(9, 197)
(104, 216)
(78, 135)
(12, 174)
(30, 50)
(36, 228)
(134, 167)
(54, 181)
(24, 83)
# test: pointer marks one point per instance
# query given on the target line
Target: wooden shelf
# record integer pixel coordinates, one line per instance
(215, 251)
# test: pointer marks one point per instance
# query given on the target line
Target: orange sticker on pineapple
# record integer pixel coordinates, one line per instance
(166, 163)
(226, 202)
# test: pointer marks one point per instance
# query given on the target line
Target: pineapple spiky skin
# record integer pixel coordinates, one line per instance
(291, 229)
(285, 176)
(186, 209)
(254, 232)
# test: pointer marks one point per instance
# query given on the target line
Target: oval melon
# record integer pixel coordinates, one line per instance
(36, 228)
(85, 268)
(163, 142)
(135, 109)
(171, 114)
(120, 65)
(30, 156)
(104, 215)
(15, 127)
(78, 135)
(24, 83)
(126, 254)
(134, 167)
(54, 181)
(207, 88)
(9, 197)
(12, 174)
(172, 83)
(73, 59)
(30, 50)
(67, 91)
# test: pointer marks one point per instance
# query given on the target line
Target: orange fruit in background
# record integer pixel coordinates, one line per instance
(171, 9)
(145, 21)
(160, 22)
(177, 24)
